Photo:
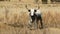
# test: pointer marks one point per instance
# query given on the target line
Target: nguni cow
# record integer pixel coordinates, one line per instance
(35, 15)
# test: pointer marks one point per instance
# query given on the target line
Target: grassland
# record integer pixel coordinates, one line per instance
(14, 18)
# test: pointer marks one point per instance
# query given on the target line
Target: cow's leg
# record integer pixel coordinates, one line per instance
(35, 24)
(38, 24)
(41, 22)
(31, 21)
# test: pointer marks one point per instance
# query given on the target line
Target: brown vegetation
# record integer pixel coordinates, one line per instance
(16, 19)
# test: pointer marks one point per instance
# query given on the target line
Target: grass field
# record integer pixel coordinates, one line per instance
(14, 18)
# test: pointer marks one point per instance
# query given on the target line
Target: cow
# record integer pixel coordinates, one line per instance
(35, 15)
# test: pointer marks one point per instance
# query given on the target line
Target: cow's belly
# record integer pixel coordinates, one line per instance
(39, 16)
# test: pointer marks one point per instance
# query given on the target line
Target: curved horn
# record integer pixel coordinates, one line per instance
(26, 6)
(38, 6)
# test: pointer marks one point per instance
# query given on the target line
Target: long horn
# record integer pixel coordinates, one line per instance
(26, 6)
(38, 6)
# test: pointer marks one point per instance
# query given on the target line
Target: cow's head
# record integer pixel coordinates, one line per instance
(32, 11)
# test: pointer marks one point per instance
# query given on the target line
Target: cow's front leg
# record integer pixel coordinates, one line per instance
(35, 24)
(30, 22)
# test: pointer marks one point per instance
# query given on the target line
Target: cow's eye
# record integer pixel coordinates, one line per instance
(34, 10)
(28, 10)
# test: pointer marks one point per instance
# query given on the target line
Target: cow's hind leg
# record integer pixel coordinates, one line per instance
(41, 22)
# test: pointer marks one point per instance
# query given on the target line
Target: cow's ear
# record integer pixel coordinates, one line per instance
(35, 10)
(28, 10)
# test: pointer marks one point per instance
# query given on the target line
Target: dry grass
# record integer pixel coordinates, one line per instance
(17, 19)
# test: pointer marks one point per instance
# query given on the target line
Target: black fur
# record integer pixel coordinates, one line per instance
(37, 18)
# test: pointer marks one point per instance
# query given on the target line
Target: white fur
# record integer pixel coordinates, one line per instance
(32, 12)
(37, 12)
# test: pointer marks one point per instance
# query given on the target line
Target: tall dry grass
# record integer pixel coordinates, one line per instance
(49, 15)
(17, 19)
